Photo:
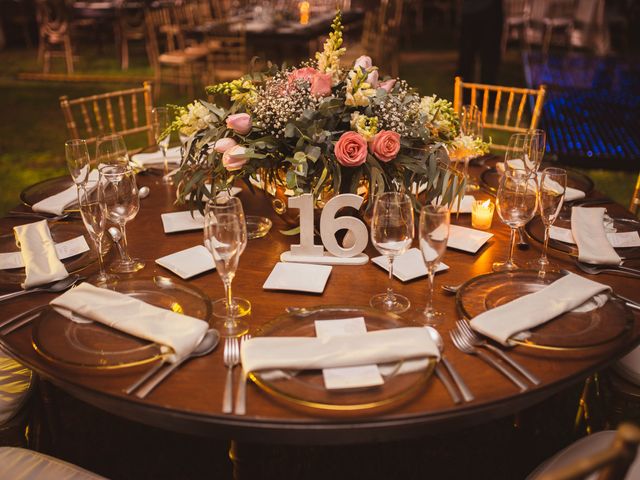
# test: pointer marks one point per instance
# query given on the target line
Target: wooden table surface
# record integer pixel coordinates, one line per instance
(190, 400)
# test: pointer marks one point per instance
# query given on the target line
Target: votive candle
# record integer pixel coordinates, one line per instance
(304, 12)
(482, 214)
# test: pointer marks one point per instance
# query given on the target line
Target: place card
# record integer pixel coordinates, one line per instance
(185, 221)
(465, 204)
(616, 239)
(408, 266)
(467, 239)
(347, 377)
(298, 277)
(188, 263)
(174, 156)
(66, 249)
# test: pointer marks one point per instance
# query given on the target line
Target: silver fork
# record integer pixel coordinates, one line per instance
(231, 357)
(465, 329)
(241, 396)
(465, 347)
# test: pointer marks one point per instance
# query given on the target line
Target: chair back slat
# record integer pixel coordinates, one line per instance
(123, 112)
(485, 105)
(521, 109)
(496, 106)
(87, 119)
(110, 117)
(509, 108)
(97, 115)
(635, 198)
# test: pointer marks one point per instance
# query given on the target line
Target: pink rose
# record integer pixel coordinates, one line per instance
(239, 123)
(224, 144)
(321, 85)
(363, 62)
(387, 84)
(306, 73)
(351, 149)
(235, 158)
(385, 145)
(372, 79)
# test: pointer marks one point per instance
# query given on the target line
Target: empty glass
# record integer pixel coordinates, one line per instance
(160, 122)
(120, 196)
(78, 160)
(225, 235)
(392, 231)
(433, 233)
(111, 150)
(518, 154)
(538, 145)
(94, 217)
(470, 124)
(516, 202)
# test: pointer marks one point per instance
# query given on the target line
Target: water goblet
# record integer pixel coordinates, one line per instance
(161, 123)
(392, 231)
(111, 150)
(120, 195)
(433, 233)
(78, 160)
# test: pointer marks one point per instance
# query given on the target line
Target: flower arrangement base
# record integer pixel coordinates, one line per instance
(326, 259)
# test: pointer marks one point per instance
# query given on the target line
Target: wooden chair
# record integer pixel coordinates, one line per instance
(228, 54)
(130, 26)
(503, 117)
(635, 198)
(54, 33)
(127, 112)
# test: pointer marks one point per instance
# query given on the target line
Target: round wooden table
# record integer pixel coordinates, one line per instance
(190, 400)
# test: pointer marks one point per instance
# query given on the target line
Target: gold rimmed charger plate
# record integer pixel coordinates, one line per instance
(567, 332)
(306, 388)
(94, 347)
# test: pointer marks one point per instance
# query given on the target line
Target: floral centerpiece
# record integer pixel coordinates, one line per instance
(319, 128)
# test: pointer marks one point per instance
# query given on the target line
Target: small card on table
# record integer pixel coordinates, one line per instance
(188, 263)
(407, 266)
(298, 277)
(66, 249)
(467, 239)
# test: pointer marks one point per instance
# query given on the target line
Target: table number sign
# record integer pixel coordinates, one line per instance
(335, 254)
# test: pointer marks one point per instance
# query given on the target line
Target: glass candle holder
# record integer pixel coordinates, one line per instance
(482, 214)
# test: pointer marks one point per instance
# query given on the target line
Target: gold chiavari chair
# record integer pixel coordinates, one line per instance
(508, 106)
(127, 112)
(54, 32)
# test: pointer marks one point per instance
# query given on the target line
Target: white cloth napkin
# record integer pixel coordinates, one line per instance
(56, 204)
(305, 353)
(570, 194)
(525, 313)
(587, 226)
(38, 250)
(143, 159)
(122, 312)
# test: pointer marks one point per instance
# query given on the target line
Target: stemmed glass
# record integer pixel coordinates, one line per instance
(551, 192)
(433, 233)
(111, 150)
(537, 146)
(471, 125)
(525, 151)
(94, 217)
(78, 160)
(516, 202)
(160, 122)
(120, 196)
(392, 231)
(225, 235)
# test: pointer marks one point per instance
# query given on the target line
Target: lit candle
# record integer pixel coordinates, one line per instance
(304, 13)
(482, 214)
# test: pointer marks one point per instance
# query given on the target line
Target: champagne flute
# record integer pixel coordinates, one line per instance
(225, 236)
(433, 233)
(120, 195)
(78, 160)
(516, 202)
(537, 147)
(551, 192)
(518, 154)
(160, 122)
(471, 125)
(111, 150)
(392, 231)
(94, 216)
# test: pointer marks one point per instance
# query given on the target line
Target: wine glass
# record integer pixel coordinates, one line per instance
(120, 195)
(537, 146)
(94, 216)
(78, 160)
(224, 202)
(433, 233)
(225, 235)
(392, 231)
(161, 123)
(471, 125)
(111, 150)
(516, 202)
(525, 151)
(551, 191)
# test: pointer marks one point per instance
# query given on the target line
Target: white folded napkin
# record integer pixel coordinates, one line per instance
(41, 263)
(587, 226)
(55, 204)
(525, 313)
(310, 353)
(180, 333)
(174, 155)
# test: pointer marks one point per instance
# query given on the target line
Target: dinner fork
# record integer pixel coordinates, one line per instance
(465, 329)
(241, 396)
(465, 347)
(231, 357)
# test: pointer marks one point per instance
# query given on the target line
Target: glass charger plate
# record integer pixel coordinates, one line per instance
(535, 228)
(306, 388)
(569, 331)
(44, 189)
(490, 179)
(96, 347)
(60, 232)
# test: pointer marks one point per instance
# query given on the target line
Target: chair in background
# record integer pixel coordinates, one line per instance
(588, 28)
(502, 116)
(129, 27)
(21, 464)
(516, 18)
(54, 33)
(228, 54)
(127, 112)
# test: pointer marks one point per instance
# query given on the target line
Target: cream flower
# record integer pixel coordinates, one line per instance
(365, 126)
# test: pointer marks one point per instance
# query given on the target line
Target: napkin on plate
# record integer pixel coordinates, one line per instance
(122, 312)
(39, 254)
(570, 194)
(565, 294)
(311, 353)
(56, 204)
(587, 226)
(143, 159)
